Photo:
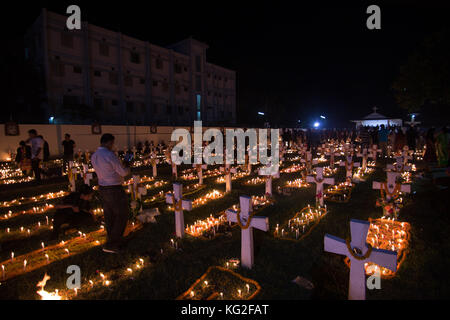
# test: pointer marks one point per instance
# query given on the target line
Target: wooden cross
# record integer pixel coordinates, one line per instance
(247, 223)
(72, 175)
(359, 253)
(179, 204)
(332, 153)
(87, 176)
(199, 168)
(269, 177)
(391, 187)
(228, 171)
(349, 165)
(364, 155)
(154, 161)
(319, 180)
(399, 165)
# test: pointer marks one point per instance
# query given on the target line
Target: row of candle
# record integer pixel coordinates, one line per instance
(199, 227)
(301, 222)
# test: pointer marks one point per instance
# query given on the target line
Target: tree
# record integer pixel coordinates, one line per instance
(424, 80)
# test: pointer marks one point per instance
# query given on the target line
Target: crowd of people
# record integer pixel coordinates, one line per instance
(434, 143)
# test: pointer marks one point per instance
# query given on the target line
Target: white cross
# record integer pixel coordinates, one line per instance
(178, 207)
(348, 166)
(332, 153)
(399, 165)
(199, 168)
(269, 177)
(391, 184)
(364, 155)
(261, 223)
(228, 171)
(359, 247)
(406, 154)
(319, 180)
(87, 175)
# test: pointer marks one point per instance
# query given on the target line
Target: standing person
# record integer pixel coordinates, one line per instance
(430, 152)
(45, 150)
(383, 135)
(442, 147)
(110, 172)
(23, 158)
(37, 153)
(411, 136)
(400, 140)
(69, 147)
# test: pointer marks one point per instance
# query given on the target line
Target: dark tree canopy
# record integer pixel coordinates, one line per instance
(424, 80)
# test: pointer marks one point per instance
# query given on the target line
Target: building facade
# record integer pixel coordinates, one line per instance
(95, 74)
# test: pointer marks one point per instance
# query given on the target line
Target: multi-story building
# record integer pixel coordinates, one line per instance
(94, 74)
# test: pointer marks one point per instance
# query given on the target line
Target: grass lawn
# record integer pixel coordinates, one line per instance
(277, 262)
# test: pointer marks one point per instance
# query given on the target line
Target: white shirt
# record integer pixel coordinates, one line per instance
(107, 165)
(37, 143)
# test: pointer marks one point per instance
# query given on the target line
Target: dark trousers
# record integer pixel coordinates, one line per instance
(116, 212)
(36, 170)
(66, 159)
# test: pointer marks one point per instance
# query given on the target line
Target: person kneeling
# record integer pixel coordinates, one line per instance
(73, 212)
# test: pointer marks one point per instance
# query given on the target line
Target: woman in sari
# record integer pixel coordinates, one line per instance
(430, 152)
(442, 147)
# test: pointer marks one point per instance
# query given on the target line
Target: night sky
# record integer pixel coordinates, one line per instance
(317, 58)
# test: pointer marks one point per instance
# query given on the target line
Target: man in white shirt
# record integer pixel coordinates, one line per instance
(37, 146)
(111, 172)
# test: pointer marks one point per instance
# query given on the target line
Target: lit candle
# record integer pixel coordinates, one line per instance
(239, 292)
(46, 257)
(3, 272)
(12, 256)
(24, 264)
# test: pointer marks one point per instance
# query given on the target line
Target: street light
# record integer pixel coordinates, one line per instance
(316, 124)
(323, 117)
(261, 113)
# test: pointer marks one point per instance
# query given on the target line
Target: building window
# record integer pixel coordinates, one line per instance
(142, 81)
(97, 73)
(114, 102)
(98, 103)
(113, 78)
(103, 49)
(159, 63)
(134, 57)
(155, 83)
(66, 40)
(165, 86)
(198, 63)
(57, 68)
(77, 69)
(178, 68)
(169, 109)
(177, 88)
(186, 89)
(180, 109)
(128, 81)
